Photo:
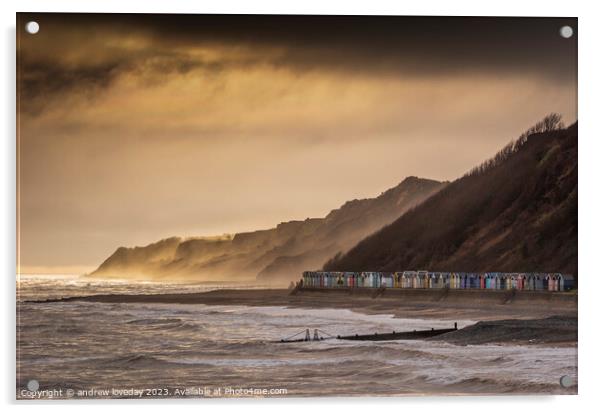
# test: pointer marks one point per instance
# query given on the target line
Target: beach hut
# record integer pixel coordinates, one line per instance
(438, 280)
(363, 280)
(423, 277)
(369, 281)
(430, 279)
(539, 282)
(545, 282)
(374, 280)
(527, 282)
(410, 278)
(552, 282)
(346, 279)
(445, 277)
(567, 282)
(388, 280)
(519, 281)
(532, 286)
(494, 281)
(397, 279)
(473, 280)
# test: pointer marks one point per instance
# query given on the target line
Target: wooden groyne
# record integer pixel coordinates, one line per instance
(405, 335)
(320, 335)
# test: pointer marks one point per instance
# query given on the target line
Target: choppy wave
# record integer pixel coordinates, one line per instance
(83, 345)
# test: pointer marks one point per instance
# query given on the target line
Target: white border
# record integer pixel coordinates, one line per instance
(590, 151)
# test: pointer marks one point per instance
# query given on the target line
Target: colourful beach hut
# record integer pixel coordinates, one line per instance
(423, 277)
(567, 282)
(388, 280)
(552, 282)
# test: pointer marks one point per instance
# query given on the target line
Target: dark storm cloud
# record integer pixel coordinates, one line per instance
(137, 127)
(387, 45)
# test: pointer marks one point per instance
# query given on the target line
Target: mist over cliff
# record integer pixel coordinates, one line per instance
(272, 256)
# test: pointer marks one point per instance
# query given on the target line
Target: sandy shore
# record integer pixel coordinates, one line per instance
(487, 307)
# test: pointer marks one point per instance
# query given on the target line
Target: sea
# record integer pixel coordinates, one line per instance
(90, 350)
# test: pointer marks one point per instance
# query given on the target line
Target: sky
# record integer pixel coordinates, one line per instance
(133, 128)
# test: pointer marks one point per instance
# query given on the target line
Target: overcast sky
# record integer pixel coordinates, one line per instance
(134, 128)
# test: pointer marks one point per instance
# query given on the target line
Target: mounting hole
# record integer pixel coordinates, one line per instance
(32, 27)
(566, 381)
(566, 32)
(33, 385)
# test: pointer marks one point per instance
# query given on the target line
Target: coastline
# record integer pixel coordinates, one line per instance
(502, 316)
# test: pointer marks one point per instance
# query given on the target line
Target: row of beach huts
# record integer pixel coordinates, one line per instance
(434, 280)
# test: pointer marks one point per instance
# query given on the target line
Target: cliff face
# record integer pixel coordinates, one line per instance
(518, 213)
(274, 256)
